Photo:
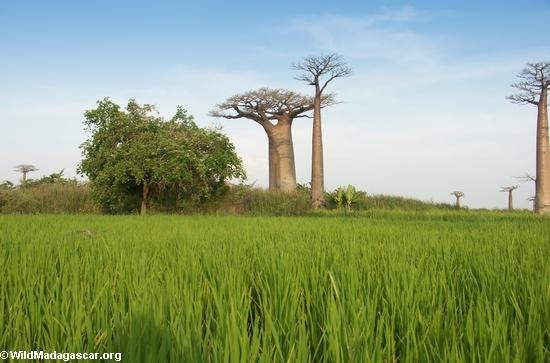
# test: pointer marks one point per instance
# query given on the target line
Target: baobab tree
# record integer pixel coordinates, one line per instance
(274, 110)
(509, 190)
(458, 194)
(24, 169)
(319, 71)
(533, 87)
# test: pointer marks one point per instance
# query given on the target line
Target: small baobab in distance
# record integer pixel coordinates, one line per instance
(533, 90)
(458, 194)
(24, 169)
(509, 190)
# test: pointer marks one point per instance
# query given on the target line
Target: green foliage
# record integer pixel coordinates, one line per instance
(392, 286)
(133, 152)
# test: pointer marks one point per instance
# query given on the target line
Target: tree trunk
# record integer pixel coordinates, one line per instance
(510, 201)
(317, 173)
(273, 166)
(457, 202)
(24, 178)
(144, 197)
(283, 165)
(542, 193)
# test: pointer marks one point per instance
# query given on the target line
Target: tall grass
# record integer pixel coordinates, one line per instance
(379, 201)
(238, 199)
(48, 198)
(391, 286)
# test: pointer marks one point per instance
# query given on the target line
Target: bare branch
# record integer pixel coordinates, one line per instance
(314, 68)
(534, 79)
(526, 178)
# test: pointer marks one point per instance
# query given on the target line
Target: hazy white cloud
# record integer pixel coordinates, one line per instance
(379, 37)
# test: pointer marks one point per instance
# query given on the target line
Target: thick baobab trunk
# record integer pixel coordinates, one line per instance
(283, 160)
(457, 202)
(144, 197)
(273, 166)
(542, 194)
(317, 173)
(510, 200)
(24, 180)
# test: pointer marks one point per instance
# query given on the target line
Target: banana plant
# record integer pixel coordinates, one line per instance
(339, 197)
(350, 196)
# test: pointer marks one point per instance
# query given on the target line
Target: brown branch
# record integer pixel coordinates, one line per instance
(526, 178)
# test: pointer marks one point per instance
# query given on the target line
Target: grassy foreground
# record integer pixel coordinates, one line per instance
(382, 286)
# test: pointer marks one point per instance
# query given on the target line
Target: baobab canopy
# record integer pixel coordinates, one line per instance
(267, 104)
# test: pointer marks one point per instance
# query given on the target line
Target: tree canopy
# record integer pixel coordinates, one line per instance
(266, 105)
(134, 155)
(313, 68)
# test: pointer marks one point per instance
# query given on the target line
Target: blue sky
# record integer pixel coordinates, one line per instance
(424, 114)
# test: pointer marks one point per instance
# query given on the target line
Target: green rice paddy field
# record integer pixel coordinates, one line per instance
(379, 286)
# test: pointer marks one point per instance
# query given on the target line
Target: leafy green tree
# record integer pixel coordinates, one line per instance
(134, 156)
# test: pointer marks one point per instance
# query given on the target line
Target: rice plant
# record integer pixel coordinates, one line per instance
(369, 287)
